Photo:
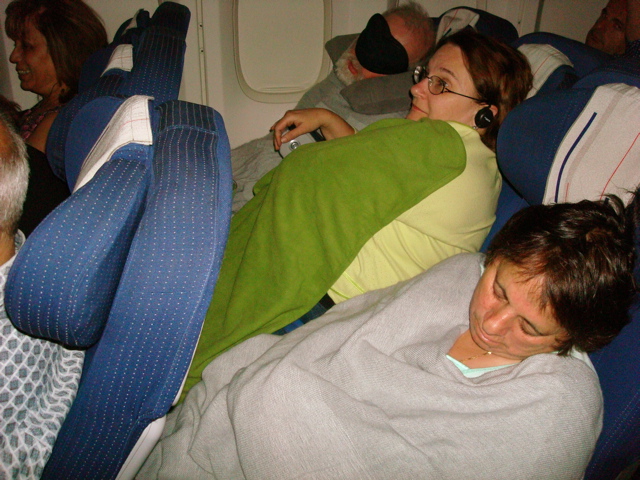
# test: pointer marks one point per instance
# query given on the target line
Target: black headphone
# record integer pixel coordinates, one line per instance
(484, 117)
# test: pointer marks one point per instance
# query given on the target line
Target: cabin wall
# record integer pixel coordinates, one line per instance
(572, 19)
(210, 75)
(247, 118)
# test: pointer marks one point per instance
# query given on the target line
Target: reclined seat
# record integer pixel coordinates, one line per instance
(125, 268)
(151, 64)
(589, 149)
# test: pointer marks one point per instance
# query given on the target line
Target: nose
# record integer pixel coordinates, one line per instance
(15, 55)
(498, 320)
(420, 89)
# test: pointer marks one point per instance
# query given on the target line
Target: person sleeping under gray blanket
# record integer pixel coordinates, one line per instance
(474, 369)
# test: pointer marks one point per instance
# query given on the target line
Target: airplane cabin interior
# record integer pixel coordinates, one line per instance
(149, 147)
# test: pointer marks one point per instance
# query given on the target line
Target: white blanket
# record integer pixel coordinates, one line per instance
(367, 392)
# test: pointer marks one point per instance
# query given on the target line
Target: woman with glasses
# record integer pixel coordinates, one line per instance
(366, 210)
(471, 82)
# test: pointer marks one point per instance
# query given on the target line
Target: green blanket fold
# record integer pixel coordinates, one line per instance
(309, 219)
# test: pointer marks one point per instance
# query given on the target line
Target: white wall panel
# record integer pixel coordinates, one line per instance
(210, 75)
(571, 19)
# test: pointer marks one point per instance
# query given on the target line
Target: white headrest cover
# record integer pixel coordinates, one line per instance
(130, 124)
(544, 60)
(455, 20)
(600, 153)
(121, 58)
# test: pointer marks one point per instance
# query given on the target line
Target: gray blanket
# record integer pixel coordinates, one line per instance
(366, 392)
(252, 160)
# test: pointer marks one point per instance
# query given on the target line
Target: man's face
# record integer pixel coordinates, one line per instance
(348, 68)
(608, 33)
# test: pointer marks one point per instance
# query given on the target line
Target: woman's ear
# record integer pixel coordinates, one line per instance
(485, 117)
(494, 110)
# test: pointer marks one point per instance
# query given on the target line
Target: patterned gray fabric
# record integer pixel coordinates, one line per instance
(38, 382)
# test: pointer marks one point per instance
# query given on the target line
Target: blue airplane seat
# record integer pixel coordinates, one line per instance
(524, 159)
(618, 70)
(619, 372)
(128, 33)
(126, 266)
(90, 258)
(566, 146)
(583, 57)
(552, 70)
(480, 20)
(151, 65)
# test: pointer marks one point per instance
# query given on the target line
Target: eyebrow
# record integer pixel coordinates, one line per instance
(449, 72)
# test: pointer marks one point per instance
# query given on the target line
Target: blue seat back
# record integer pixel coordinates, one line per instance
(158, 58)
(128, 264)
(618, 70)
(525, 160)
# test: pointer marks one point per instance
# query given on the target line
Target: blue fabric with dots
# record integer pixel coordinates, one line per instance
(147, 234)
(158, 60)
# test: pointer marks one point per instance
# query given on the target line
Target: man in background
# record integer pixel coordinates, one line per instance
(617, 30)
(392, 43)
(633, 29)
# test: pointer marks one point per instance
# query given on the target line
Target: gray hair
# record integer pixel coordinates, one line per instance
(418, 22)
(14, 176)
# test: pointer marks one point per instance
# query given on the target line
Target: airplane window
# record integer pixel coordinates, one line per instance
(277, 68)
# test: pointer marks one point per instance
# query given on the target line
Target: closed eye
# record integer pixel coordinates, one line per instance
(528, 329)
(498, 292)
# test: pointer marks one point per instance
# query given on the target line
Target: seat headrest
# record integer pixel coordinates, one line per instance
(130, 123)
(583, 58)
(552, 69)
(83, 133)
(484, 22)
(619, 70)
(128, 34)
(573, 144)
(73, 261)
(599, 153)
(530, 135)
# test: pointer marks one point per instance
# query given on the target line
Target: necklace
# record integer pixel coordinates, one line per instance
(476, 356)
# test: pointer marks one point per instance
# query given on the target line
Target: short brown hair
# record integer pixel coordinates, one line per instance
(73, 31)
(584, 253)
(501, 74)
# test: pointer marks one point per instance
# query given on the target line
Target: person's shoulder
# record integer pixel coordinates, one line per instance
(463, 261)
(566, 378)
(460, 273)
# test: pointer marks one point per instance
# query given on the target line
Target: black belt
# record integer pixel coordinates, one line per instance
(326, 301)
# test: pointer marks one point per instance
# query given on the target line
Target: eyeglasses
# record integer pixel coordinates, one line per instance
(436, 84)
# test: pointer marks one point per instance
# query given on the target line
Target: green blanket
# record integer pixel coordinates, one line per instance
(309, 219)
